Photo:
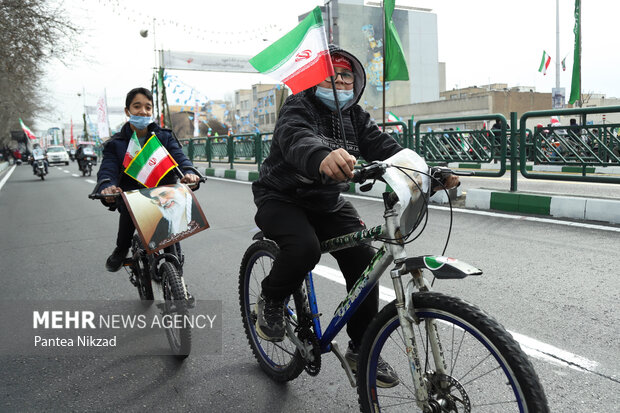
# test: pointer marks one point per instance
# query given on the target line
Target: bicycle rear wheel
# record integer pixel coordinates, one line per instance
(281, 361)
(176, 305)
(486, 369)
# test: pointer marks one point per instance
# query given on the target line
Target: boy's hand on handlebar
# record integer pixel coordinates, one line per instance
(451, 181)
(338, 165)
(190, 179)
(108, 191)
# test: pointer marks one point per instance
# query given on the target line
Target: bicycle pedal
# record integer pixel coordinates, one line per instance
(128, 262)
(344, 364)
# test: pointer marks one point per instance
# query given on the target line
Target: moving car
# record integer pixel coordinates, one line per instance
(57, 154)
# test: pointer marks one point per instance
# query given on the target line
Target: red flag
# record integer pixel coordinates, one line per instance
(72, 141)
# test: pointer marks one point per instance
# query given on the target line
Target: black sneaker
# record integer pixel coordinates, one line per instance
(115, 261)
(270, 319)
(386, 376)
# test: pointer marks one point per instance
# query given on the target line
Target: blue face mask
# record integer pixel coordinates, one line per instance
(327, 96)
(140, 122)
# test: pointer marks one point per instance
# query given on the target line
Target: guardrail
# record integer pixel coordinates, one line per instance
(578, 150)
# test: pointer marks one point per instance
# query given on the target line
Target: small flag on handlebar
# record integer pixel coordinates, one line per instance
(151, 164)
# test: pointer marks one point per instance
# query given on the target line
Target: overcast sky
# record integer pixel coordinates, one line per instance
(481, 41)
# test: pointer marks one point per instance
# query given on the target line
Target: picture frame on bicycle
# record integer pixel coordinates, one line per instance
(164, 215)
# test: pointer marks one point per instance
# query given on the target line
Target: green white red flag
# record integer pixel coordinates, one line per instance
(27, 130)
(151, 164)
(544, 63)
(132, 150)
(391, 117)
(300, 59)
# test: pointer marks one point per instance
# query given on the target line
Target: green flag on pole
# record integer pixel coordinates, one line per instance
(575, 87)
(395, 64)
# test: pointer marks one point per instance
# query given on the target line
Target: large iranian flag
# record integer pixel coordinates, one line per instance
(151, 163)
(27, 130)
(301, 58)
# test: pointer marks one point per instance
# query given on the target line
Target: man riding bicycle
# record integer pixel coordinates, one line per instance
(139, 109)
(298, 208)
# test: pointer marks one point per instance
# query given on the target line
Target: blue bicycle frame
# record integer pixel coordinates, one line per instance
(367, 281)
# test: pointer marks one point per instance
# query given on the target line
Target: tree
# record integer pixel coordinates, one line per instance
(33, 32)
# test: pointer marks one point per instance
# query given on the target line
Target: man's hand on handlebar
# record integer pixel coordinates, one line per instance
(338, 165)
(109, 191)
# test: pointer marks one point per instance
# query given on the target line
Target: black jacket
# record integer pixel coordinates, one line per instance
(305, 133)
(114, 152)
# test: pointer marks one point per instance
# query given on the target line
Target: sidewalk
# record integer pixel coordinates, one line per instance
(558, 206)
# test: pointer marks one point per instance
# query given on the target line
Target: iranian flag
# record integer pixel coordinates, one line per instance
(151, 164)
(391, 117)
(300, 59)
(132, 150)
(27, 130)
(544, 63)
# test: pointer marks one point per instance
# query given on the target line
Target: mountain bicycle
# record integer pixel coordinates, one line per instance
(449, 355)
(165, 268)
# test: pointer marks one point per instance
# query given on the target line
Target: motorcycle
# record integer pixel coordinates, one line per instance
(86, 164)
(39, 167)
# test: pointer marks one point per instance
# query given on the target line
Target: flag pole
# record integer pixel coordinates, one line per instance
(344, 138)
(383, 73)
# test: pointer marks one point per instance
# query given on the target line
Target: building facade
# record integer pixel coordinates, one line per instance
(256, 109)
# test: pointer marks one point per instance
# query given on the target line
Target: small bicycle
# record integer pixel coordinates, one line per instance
(449, 355)
(166, 269)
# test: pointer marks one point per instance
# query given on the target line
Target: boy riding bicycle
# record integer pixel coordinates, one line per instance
(298, 210)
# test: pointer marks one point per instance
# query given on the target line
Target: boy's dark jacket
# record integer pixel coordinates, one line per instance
(305, 133)
(114, 152)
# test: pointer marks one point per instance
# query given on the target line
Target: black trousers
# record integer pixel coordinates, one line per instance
(298, 232)
(126, 228)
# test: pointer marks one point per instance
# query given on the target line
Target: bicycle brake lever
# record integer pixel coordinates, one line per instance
(367, 187)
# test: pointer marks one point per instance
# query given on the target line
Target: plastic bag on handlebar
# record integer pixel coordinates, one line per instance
(411, 187)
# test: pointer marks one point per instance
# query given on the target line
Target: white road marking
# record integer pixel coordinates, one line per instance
(65, 171)
(6, 177)
(90, 181)
(530, 346)
(76, 175)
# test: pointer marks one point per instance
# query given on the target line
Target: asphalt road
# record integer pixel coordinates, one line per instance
(554, 286)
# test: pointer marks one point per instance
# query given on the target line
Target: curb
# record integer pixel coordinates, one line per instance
(606, 170)
(376, 192)
(4, 166)
(558, 206)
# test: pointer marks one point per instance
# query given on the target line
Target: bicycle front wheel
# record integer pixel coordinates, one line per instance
(486, 369)
(141, 271)
(176, 305)
(281, 361)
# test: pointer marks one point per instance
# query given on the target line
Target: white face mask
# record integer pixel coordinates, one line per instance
(326, 96)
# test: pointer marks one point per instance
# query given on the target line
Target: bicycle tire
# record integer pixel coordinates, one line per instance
(140, 269)
(281, 361)
(176, 302)
(492, 367)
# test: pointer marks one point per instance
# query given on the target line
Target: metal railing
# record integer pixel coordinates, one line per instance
(577, 149)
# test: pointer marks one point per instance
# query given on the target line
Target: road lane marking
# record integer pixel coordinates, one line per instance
(65, 171)
(6, 178)
(530, 346)
(76, 175)
(90, 181)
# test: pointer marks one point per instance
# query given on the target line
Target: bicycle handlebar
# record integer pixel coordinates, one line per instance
(97, 195)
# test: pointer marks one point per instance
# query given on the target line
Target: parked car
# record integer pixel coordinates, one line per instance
(57, 154)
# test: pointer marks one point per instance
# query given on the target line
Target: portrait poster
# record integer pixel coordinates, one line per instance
(164, 215)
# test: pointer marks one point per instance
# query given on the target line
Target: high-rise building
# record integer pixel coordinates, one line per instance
(357, 26)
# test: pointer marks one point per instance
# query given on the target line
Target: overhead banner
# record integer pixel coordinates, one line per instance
(209, 62)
